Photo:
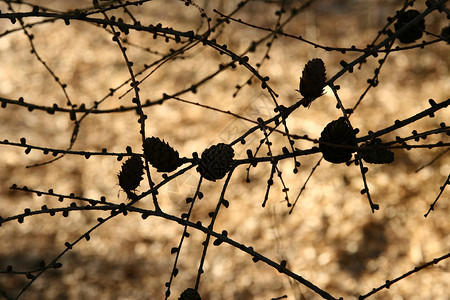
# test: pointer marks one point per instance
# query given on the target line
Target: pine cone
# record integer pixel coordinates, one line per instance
(377, 156)
(313, 80)
(216, 161)
(414, 32)
(131, 174)
(190, 294)
(445, 33)
(337, 132)
(160, 155)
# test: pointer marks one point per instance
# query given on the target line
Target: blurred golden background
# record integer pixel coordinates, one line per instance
(331, 238)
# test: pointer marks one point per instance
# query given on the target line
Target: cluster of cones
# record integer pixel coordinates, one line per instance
(214, 164)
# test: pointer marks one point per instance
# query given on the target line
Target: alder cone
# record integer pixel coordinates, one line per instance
(160, 155)
(376, 156)
(340, 133)
(131, 174)
(415, 31)
(190, 294)
(445, 33)
(379, 156)
(313, 79)
(215, 161)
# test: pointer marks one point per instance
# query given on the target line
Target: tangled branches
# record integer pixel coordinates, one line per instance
(228, 158)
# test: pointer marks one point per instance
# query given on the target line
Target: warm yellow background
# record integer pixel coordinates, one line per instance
(331, 238)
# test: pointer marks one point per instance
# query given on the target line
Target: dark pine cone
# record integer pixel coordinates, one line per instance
(190, 294)
(337, 132)
(445, 33)
(313, 79)
(414, 32)
(216, 161)
(131, 174)
(377, 156)
(160, 155)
